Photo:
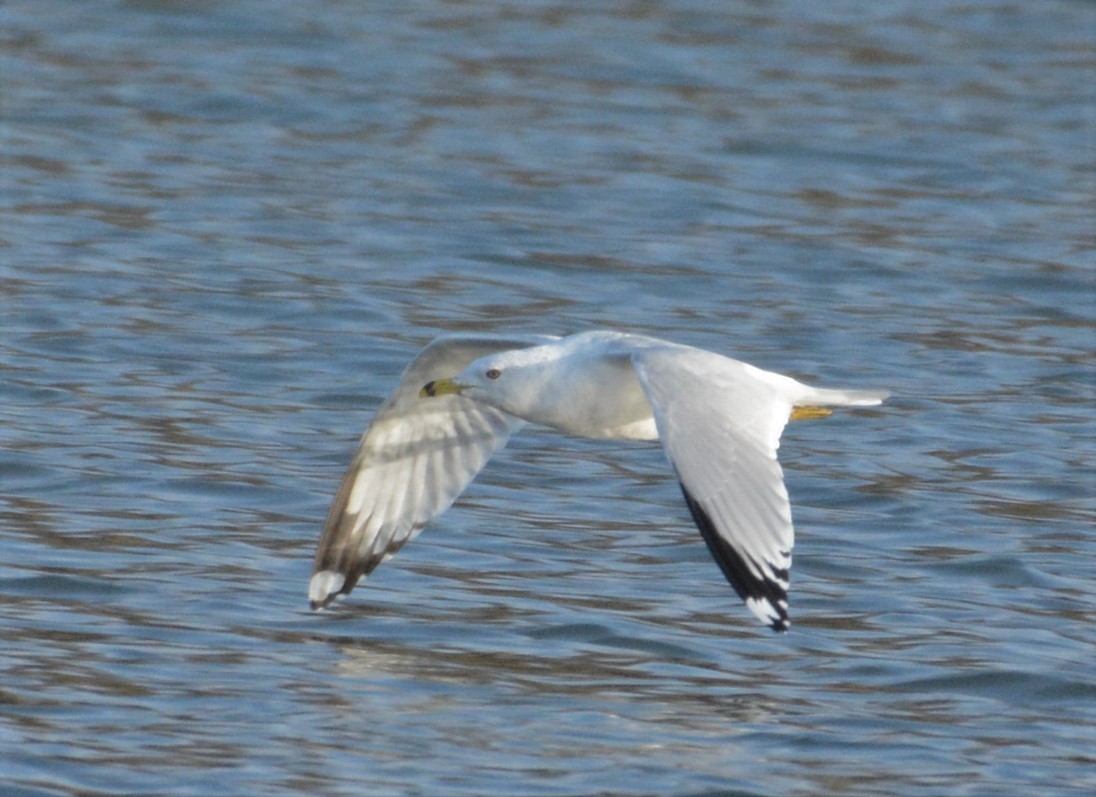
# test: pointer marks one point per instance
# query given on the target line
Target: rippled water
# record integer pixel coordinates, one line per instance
(225, 228)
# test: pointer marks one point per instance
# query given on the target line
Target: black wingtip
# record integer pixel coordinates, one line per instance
(751, 588)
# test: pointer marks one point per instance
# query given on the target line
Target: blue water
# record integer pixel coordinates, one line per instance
(226, 227)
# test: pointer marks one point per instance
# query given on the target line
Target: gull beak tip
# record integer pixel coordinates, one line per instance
(439, 387)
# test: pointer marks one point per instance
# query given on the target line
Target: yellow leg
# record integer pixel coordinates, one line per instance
(808, 413)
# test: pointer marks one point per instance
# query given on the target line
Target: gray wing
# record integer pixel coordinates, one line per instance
(720, 422)
(413, 461)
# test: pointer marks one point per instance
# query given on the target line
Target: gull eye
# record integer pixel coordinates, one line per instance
(493, 373)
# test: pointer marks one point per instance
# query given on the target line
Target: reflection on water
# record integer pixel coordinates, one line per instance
(224, 231)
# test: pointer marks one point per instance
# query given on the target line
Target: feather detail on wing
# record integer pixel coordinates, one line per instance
(720, 422)
(413, 461)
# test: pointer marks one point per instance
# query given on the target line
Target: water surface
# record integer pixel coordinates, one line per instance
(226, 227)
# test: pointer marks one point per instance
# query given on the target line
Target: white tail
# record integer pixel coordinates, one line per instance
(824, 397)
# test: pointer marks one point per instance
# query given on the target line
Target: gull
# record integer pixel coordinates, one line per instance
(719, 421)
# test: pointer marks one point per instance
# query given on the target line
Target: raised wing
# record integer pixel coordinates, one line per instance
(720, 422)
(413, 461)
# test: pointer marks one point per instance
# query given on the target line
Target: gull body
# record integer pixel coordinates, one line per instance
(719, 421)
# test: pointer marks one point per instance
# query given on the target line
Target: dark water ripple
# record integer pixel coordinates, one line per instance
(224, 228)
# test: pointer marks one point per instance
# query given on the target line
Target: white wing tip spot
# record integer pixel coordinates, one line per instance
(774, 616)
(323, 585)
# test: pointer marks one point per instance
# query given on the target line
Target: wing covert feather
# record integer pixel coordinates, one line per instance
(720, 426)
(413, 461)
